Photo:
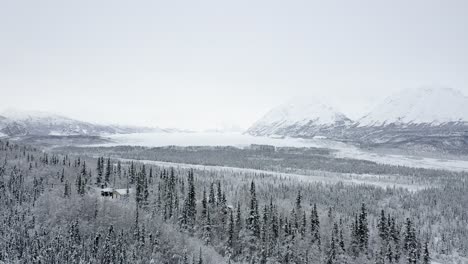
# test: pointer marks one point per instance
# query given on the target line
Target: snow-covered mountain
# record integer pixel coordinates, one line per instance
(301, 118)
(20, 123)
(427, 105)
(427, 118)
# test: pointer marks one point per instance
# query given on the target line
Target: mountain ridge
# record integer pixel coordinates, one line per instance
(424, 105)
(15, 122)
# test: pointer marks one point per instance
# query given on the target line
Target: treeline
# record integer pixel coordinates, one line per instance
(283, 159)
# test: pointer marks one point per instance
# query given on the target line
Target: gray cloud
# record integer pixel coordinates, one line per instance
(203, 64)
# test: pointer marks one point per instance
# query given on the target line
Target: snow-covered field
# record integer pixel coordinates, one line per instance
(202, 139)
(312, 176)
(403, 160)
(241, 140)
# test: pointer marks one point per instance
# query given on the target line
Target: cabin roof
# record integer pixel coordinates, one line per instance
(123, 191)
(119, 191)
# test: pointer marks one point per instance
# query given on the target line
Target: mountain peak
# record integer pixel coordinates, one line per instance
(296, 116)
(302, 111)
(425, 105)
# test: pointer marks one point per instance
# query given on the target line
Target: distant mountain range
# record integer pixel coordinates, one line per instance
(428, 118)
(27, 123)
(431, 118)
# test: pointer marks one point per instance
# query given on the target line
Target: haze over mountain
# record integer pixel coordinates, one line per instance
(15, 122)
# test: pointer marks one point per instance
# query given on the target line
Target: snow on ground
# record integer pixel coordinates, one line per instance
(404, 160)
(199, 139)
(343, 150)
(312, 176)
(450, 259)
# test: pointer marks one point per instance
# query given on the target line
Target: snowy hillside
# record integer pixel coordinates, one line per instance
(427, 105)
(19, 123)
(302, 117)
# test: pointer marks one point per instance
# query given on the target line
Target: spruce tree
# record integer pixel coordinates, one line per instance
(331, 254)
(212, 199)
(119, 168)
(315, 226)
(204, 205)
(410, 243)
(363, 230)
(62, 176)
(382, 227)
(84, 172)
(231, 232)
(254, 218)
(78, 183)
(108, 171)
(207, 232)
(150, 176)
(132, 173)
(190, 211)
(219, 194)
(238, 221)
(341, 238)
(99, 173)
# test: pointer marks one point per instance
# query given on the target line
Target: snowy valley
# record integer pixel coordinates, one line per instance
(303, 185)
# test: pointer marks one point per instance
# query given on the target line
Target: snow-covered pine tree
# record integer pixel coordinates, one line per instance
(107, 179)
(254, 217)
(363, 230)
(99, 172)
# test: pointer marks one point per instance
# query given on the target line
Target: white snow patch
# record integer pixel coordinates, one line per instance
(62, 133)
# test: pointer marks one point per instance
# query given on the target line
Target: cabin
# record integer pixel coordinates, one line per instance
(115, 193)
(121, 193)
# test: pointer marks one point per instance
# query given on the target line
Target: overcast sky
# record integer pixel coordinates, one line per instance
(204, 64)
